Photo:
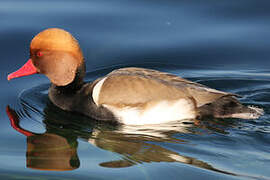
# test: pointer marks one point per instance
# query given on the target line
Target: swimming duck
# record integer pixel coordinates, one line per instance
(131, 95)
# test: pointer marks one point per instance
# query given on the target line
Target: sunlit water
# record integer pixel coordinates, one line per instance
(222, 44)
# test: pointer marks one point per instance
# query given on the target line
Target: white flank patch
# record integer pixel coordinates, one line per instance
(96, 90)
(162, 112)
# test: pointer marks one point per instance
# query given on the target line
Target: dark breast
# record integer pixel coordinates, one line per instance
(79, 101)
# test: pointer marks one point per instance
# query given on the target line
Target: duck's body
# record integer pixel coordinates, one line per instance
(138, 96)
(128, 95)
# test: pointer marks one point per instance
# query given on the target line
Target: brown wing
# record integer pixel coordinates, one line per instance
(135, 86)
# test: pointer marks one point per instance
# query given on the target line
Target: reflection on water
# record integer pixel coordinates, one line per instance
(48, 151)
(56, 149)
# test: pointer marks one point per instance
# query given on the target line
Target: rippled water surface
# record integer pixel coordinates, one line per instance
(221, 44)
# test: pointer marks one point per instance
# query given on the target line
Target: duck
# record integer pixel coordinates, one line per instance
(129, 95)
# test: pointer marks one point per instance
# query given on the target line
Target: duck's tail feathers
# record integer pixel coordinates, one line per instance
(229, 107)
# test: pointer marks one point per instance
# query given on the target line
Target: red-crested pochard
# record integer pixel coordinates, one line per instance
(129, 95)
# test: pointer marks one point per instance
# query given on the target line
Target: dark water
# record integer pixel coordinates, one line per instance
(222, 44)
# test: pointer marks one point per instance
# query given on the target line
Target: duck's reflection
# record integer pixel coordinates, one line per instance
(48, 151)
(51, 152)
(56, 149)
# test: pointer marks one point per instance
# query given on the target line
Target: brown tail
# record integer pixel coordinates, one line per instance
(229, 107)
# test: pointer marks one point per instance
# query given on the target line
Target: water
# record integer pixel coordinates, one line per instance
(224, 45)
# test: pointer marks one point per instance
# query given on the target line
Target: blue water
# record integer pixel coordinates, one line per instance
(222, 44)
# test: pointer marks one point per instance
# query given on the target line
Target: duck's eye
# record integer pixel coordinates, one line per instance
(39, 54)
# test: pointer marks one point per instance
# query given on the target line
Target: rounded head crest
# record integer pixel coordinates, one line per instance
(58, 40)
